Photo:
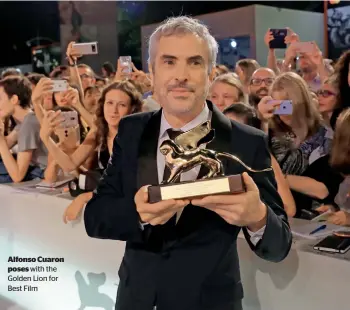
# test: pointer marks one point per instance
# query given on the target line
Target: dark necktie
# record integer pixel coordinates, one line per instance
(172, 135)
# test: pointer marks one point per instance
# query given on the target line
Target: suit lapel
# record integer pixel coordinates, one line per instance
(147, 172)
(222, 141)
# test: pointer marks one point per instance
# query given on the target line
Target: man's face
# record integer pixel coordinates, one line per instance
(91, 99)
(261, 82)
(180, 73)
(87, 77)
(305, 64)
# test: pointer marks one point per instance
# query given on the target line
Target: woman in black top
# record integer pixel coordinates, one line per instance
(117, 100)
(340, 162)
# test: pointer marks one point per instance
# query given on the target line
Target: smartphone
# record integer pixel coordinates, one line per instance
(333, 244)
(70, 119)
(125, 61)
(343, 233)
(278, 38)
(89, 48)
(304, 47)
(59, 85)
(285, 108)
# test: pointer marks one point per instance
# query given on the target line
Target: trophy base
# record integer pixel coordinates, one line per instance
(232, 184)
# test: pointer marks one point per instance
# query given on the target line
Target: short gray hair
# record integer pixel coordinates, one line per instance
(183, 25)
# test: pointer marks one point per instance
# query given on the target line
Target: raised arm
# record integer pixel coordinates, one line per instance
(67, 162)
(72, 56)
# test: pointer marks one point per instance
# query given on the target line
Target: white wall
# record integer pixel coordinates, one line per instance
(225, 24)
(254, 21)
(309, 26)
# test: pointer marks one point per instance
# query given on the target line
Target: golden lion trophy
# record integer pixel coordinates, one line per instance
(187, 151)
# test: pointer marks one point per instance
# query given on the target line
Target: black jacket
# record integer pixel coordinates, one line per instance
(197, 269)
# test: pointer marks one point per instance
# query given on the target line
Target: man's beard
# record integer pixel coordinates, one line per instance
(254, 100)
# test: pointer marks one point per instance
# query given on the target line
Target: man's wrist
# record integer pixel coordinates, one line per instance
(262, 221)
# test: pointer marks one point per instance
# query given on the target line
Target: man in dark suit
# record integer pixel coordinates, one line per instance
(191, 265)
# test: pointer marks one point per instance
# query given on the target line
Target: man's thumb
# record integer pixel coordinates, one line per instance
(249, 182)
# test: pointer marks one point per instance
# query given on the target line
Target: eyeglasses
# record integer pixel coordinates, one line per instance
(85, 76)
(325, 93)
(258, 82)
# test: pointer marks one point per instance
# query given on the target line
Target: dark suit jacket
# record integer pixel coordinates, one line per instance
(195, 265)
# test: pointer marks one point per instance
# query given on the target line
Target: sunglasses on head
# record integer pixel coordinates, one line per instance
(258, 82)
(325, 93)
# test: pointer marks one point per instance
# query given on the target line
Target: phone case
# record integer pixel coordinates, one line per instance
(59, 85)
(304, 47)
(278, 41)
(70, 119)
(90, 48)
(333, 244)
(286, 108)
(125, 61)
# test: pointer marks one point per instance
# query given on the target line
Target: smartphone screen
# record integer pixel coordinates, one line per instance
(278, 41)
(125, 61)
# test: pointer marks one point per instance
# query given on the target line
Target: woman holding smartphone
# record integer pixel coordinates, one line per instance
(340, 161)
(117, 100)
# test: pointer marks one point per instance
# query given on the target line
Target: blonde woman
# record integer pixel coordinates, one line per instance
(292, 137)
(226, 90)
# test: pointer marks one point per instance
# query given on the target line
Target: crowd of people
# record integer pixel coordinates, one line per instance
(310, 147)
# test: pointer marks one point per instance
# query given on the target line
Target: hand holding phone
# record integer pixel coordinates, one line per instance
(70, 119)
(285, 107)
(89, 48)
(279, 36)
(125, 62)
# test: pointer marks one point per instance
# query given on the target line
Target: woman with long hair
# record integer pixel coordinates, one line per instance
(292, 137)
(342, 72)
(340, 161)
(117, 100)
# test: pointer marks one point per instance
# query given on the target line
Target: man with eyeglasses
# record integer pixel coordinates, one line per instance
(260, 84)
(87, 76)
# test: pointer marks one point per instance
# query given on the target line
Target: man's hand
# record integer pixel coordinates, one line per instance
(315, 56)
(156, 213)
(43, 87)
(72, 54)
(341, 218)
(244, 209)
